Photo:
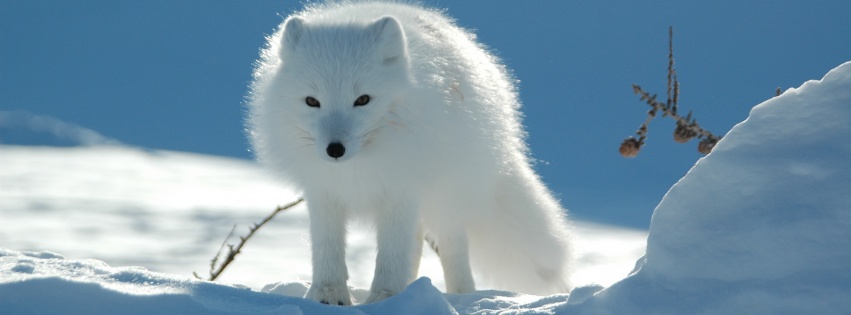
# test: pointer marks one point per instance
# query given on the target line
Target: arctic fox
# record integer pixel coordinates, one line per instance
(389, 112)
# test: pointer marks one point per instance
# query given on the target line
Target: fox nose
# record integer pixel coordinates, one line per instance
(335, 150)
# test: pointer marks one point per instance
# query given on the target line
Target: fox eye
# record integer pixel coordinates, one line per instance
(312, 102)
(362, 100)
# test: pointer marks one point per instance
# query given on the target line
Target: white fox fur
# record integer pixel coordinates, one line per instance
(438, 150)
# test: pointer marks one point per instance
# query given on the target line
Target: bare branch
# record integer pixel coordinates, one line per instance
(686, 121)
(232, 250)
(687, 127)
(671, 105)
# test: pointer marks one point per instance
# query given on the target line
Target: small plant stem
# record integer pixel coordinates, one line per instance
(232, 250)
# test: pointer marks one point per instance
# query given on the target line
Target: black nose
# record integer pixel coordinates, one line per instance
(335, 150)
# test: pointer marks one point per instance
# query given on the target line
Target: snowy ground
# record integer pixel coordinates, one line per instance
(169, 212)
(760, 226)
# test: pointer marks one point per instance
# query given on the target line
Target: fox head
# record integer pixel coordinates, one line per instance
(340, 81)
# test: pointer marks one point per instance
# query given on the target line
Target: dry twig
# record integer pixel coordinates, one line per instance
(687, 127)
(232, 250)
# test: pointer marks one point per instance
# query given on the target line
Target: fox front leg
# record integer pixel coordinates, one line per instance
(398, 242)
(328, 245)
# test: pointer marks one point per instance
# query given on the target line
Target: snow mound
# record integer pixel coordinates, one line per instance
(761, 225)
(773, 201)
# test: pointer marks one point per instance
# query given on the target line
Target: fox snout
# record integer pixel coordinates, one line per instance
(336, 137)
(335, 150)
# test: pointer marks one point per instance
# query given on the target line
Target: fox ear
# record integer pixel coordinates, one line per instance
(293, 29)
(390, 40)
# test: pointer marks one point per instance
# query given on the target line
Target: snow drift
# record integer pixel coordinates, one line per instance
(759, 226)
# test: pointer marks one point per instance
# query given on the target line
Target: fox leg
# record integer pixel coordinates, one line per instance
(452, 247)
(328, 244)
(398, 238)
(418, 252)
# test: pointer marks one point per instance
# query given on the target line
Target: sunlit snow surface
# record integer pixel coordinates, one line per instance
(760, 226)
(169, 212)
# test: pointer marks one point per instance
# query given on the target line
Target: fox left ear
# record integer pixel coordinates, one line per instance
(390, 38)
(293, 29)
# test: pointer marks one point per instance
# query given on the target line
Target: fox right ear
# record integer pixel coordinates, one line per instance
(293, 29)
(390, 38)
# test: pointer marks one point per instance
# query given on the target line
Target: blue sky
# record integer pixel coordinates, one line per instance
(173, 75)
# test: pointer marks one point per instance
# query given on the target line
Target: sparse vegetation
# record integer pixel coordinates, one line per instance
(216, 268)
(687, 127)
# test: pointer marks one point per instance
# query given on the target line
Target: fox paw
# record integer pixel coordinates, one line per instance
(330, 294)
(379, 296)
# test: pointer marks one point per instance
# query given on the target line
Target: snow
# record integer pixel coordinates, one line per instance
(759, 226)
(170, 211)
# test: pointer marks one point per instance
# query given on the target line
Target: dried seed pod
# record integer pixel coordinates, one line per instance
(684, 133)
(630, 147)
(705, 146)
